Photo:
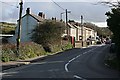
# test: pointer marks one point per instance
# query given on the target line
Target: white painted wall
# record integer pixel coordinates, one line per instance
(28, 24)
(79, 33)
(73, 32)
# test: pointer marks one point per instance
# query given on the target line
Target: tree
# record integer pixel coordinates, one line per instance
(102, 31)
(113, 22)
(48, 33)
(112, 3)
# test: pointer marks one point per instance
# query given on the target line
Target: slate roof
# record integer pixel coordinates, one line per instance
(38, 18)
(70, 25)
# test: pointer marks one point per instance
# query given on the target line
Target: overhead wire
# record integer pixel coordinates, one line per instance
(12, 17)
(9, 4)
(58, 5)
(64, 10)
(74, 16)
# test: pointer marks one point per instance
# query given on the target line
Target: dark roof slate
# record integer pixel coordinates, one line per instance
(38, 18)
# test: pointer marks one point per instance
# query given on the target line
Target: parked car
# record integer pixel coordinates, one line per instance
(99, 42)
(108, 42)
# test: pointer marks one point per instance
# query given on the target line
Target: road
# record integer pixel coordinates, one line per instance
(80, 63)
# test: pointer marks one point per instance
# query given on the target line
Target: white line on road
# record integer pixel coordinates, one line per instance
(66, 69)
(75, 76)
(67, 64)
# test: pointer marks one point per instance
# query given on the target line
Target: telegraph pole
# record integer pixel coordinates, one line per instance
(66, 11)
(66, 16)
(66, 21)
(82, 28)
(19, 26)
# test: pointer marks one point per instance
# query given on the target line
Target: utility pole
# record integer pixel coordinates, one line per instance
(19, 27)
(82, 29)
(66, 16)
(66, 21)
(66, 11)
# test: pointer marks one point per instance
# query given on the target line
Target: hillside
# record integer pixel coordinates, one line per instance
(7, 28)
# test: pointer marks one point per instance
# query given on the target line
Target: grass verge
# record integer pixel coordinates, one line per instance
(28, 50)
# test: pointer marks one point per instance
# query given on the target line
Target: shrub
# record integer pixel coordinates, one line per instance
(67, 46)
(27, 50)
(8, 55)
(55, 48)
(114, 63)
(30, 50)
(48, 33)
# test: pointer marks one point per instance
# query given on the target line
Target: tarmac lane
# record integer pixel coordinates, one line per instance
(78, 63)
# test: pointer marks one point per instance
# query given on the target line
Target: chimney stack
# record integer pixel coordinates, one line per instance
(28, 11)
(42, 15)
(54, 18)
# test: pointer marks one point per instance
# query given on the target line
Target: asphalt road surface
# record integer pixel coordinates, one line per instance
(80, 63)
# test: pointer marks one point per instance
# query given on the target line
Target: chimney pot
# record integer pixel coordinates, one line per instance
(41, 15)
(28, 11)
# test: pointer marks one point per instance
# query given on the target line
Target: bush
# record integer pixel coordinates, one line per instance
(67, 46)
(30, 50)
(8, 55)
(27, 50)
(48, 33)
(55, 48)
(114, 63)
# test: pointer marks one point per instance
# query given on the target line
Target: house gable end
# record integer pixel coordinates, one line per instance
(38, 18)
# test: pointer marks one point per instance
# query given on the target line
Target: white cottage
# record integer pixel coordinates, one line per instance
(75, 30)
(29, 22)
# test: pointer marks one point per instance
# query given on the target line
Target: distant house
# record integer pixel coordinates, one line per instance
(29, 21)
(75, 31)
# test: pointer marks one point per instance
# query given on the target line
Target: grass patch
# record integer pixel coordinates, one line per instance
(7, 30)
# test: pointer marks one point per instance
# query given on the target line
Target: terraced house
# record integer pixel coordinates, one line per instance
(75, 30)
(29, 21)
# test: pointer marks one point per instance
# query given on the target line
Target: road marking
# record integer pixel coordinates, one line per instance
(78, 77)
(67, 64)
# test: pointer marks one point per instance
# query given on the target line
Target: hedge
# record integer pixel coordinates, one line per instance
(28, 50)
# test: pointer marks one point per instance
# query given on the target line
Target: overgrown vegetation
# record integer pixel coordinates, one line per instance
(7, 30)
(48, 34)
(113, 22)
(47, 40)
(28, 50)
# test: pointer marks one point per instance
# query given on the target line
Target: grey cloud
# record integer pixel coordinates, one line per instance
(93, 13)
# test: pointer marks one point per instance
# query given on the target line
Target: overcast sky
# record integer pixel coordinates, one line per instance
(88, 8)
